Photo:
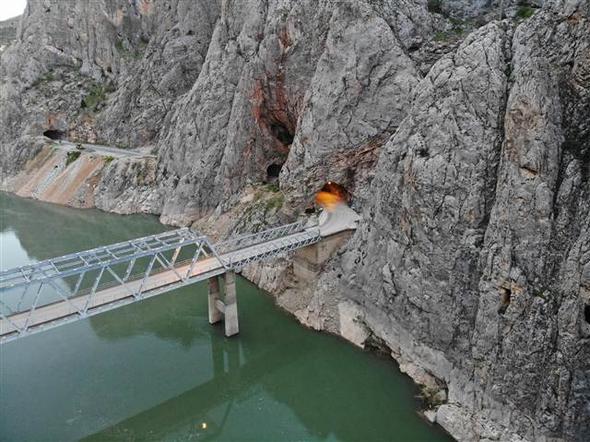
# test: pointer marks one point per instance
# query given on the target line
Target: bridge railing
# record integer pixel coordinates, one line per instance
(74, 280)
(250, 239)
(97, 258)
(253, 247)
(78, 285)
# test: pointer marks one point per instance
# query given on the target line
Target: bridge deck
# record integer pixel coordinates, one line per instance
(155, 284)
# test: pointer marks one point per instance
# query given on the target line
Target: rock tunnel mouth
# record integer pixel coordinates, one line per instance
(55, 134)
(336, 189)
(331, 195)
(587, 313)
(273, 171)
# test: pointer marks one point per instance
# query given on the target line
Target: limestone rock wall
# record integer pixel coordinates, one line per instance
(7, 32)
(471, 263)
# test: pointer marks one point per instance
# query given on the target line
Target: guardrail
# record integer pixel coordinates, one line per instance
(162, 252)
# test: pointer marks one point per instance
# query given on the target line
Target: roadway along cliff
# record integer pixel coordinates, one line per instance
(460, 130)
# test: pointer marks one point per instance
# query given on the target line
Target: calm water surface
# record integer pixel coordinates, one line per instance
(156, 370)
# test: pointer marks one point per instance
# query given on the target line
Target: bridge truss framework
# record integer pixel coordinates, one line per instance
(56, 291)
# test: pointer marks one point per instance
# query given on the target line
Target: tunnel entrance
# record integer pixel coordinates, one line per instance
(273, 171)
(587, 313)
(55, 134)
(336, 189)
(331, 195)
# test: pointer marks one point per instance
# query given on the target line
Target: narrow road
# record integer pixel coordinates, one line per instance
(100, 150)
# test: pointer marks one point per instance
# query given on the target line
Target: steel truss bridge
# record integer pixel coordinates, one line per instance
(60, 290)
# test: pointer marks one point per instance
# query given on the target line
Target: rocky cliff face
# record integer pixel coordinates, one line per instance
(7, 32)
(459, 129)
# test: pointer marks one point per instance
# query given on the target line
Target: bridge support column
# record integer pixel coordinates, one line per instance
(231, 305)
(226, 308)
(214, 313)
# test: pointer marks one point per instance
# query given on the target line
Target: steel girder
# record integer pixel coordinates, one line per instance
(36, 297)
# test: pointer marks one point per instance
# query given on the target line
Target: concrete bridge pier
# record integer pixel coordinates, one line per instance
(226, 308)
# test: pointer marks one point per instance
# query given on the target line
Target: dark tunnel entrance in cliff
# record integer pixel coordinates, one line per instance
(587, 313)
(272, 172)
(332, 194)
(55, 134)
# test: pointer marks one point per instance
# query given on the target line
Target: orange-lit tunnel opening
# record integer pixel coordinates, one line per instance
(331, 195)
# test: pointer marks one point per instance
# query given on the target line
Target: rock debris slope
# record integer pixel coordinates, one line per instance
(460, 131)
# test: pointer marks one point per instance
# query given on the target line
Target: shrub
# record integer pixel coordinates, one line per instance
(72, 156)
(96, 96)
(525, 11)
(272, 187)
(122, 48)
(48, 77)
(108, 159)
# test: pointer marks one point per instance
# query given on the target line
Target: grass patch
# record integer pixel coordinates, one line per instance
(126, 52)
(96, 97)
(275, 203)
(108, 159)
(525, 11)
(453, 34)
(272, 187)
(46, 78)
(72, 156)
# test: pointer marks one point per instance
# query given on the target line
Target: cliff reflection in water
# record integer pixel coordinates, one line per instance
(333, 390)
(47, 230)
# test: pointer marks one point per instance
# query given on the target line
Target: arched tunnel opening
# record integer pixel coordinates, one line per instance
(331, 195)
(55, 134)
(272, 172)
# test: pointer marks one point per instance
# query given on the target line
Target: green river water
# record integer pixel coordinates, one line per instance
(156, 370)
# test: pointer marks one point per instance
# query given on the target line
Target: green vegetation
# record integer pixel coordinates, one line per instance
(125, 51)
(72, 156)
(272, 187)
(275, 203)
(455, 32)
(441, 36)
(96, 96)
(108, 159)
(48, 77)
(119, 46)
(432, 396)
(525, 11)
